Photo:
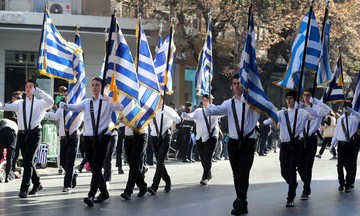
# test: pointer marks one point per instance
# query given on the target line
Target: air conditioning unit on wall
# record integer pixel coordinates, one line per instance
(59, 7)
(19, 5)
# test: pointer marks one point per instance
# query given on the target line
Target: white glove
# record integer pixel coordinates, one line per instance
(104, 97)
(117, 105)
(47, 115)
(62, 105)
(1, 105)
(208, 112)
(35, 91)
(299, 105)
(312, 100)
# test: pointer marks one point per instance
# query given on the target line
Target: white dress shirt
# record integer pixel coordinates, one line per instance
(39, 109)
(353, 122)
(170, 116)
(303, 115)
(251, 116)
(322, 111)
(59, 116)
(105, 116)
(201, 128)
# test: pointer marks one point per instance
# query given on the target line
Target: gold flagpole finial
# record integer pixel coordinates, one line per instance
(114, 11)
(77, 29)
(339, 48)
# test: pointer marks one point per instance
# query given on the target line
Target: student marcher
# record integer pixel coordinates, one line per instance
(8, 134)
(241, 145)
(29, 134)
(207, 134)
(290, 143)
(344, 140)
(161, 144)
(96, 142)
(309, 141)
(69, 144)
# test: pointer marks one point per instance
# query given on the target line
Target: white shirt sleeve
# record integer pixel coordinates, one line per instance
(76, 107)
(55, 116)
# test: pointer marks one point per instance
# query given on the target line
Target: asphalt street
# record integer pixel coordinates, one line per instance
(266, 196)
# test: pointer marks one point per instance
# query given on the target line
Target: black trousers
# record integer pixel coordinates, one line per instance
(326, 141)
(119, 147)
(134, 149)
(28, 149)
(68, 152)
(241, 161)
(161, 147)
(187, 144)
(346, 154)
(262, 144)
(107, 163)
(206, 150)
(149, 152)
(95, 154)
(357, 147)
(289, 158)
(306, 162)
(8, 141)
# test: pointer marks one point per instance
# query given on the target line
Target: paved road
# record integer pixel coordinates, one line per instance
(266, 195)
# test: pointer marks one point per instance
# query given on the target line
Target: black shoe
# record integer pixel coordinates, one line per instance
(73, 181)
(102, 197)
(186, 161)
(35, 189)
(290, 204)
(126, 196)
(142, 192)
(244, 209)
(318, 156)
(151, 190)
(204, 182)
(304, 196)
(80, 168)
(167, 187)
(121, 171)
(347, 189)
(145, 169)
(237, 205)
(193, 161)
(23, 194)
(352, 186)
(89, 201)
(341, 188)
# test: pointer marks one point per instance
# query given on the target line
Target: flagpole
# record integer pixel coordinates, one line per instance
(172, 20)
(36, 72)
(210, 75)
(342, 77)
(106, 67)
(138, 41)
(316, 74)
(302, 66)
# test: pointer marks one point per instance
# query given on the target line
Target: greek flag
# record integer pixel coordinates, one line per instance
(204, 73)
(249, 77)
(335, 89)
(121, 64)
(149, 91)
(158, 45)
(324, 74)
(356, 99)
(291, 78)
(56, 54)
(41, 156)
(76, 91)
(165, 77)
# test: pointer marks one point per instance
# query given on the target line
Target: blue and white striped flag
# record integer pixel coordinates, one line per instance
(249, 77)
(160, 64)
(204, 72)
(56, 54)
(291, 78)
(356, 99)
(335, 89)
(76, 91)
(149, 92)
(41, 156)
(158, 45)
(121, 64)
(324, 74)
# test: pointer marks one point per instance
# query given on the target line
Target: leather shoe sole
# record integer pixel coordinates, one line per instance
(151, 190)
(36, 189)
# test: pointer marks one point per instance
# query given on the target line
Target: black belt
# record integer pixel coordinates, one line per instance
(24, 131)
(344, 142)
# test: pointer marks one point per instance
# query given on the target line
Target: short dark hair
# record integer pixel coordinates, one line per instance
(206, 96)
(30, 81)
(97, 79)
(188, 104)
(309, 90)
(235, 76)
(291, 93)
(62, 89)
(348, 104)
